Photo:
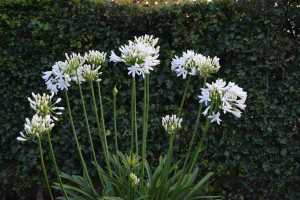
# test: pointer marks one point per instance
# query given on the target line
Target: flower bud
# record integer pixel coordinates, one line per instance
(115, 91)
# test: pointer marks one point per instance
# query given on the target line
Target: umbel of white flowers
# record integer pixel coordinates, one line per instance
(230, 98)
(41, 122)
(194, 64)
(42, 105)
(134, 179)
(37, 127)
(171, 124)
(63, 73)
(140, 55)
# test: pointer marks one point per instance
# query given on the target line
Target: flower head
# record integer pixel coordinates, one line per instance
(171, 124)
(36, 127)
(194, 64)
(230, 98)
(140, 56)
(131, 161)
(95, 57)
(42, 105)
(134, 179)
(89, 73)
(63, 73)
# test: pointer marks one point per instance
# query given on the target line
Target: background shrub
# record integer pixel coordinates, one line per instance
(256, 156)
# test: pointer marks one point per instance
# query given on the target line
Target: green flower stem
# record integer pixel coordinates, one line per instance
(132, 119)
(184, 95)
(195, 154)
(77, 144)
(194, 158)
(136, 136)
(104, 132)
(167, 164)
(56, 169)
(129, 185)
(144, 135)
(193, 137)
(88, 128)
(99, 129)
(116, 137)
(43, 165)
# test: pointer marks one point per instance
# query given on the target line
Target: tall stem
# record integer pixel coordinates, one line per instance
(195, 129)
(135, 125)
(144, 134)
(116, 137)
(99, 130)
(184, 95)
(77, 144)
(43, 165)
(88, 128)
(203, 136)
(132, 119)
(103, 126)
(56, 169)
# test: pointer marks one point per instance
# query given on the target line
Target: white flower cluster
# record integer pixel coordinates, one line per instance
(95, 57)
(63, 73)
(89, 73)
(36, 127)
(134, 179)
(171, 124)
(42, 105)
(41, 122)
(194, 64)
(140, 55)
(229, 98)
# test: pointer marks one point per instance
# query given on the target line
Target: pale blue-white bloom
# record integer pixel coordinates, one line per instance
(205, 96)
(230, 97)
(194, 64)
(215, 117)
(140, 56)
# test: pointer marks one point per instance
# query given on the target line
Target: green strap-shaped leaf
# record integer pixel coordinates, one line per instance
(196, 188)
(151, 182)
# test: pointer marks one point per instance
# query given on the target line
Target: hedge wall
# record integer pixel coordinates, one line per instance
(254, 157)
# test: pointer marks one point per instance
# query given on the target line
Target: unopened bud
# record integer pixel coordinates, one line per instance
(115, 91)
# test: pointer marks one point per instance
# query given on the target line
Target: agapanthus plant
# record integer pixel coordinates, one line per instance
(129, 176)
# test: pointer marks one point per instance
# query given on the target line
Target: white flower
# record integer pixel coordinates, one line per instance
(134, 179)
(206, 110)
(215, 117)
(230, 98)
(95, 57)
(42, 104)
(23, 138)
(205, 96)
(63, 73)
(181, 71)
(171, 124)
(134, 69)
(36, 127)
(140, 55)
(89, 73)
(194, 64)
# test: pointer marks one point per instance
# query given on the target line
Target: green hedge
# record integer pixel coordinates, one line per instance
(256, 156)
